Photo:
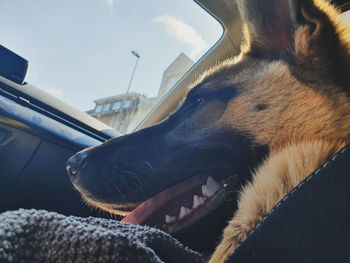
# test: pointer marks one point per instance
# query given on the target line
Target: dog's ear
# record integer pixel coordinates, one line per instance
(270, 25)
(275, 25)
(308, 31)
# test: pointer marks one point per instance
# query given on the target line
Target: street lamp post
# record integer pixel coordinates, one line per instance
(133, 72)
(128, 89)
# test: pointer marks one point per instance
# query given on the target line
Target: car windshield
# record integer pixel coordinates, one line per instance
(113, 59)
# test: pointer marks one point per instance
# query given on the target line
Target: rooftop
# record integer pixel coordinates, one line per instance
(119, 97)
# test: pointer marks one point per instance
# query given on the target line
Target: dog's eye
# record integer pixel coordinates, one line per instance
(199, 100)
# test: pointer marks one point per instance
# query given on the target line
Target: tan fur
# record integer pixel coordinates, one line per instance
(290, 94)
(294, 111)
(303, 124)
(279, 174)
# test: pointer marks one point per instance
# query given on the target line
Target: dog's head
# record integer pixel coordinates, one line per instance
(290, 83)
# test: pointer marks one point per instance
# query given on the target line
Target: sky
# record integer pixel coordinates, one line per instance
(80, 50)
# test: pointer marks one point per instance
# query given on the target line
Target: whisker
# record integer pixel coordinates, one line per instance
(128, 187)
(150, 166)
(125, 199)
(134, 175)
(106, 186)
(150, 177)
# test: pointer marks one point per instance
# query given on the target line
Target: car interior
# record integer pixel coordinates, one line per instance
(39, 132)
(87, 130)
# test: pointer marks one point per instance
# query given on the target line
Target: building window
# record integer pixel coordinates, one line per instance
(106, 107)
(116, 105)
(126, 104)
(98, 108)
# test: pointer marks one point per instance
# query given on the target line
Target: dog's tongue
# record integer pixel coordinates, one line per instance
(140, 214)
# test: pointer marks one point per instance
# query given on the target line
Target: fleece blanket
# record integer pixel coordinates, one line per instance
(41, 236)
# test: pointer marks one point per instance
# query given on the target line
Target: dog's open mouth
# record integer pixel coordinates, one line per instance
(182, 205)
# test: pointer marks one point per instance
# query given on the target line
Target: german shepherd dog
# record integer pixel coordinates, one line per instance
(256, 124)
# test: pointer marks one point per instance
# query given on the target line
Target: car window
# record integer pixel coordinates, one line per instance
(113, 59)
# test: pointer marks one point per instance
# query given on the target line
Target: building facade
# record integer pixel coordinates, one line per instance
(125, 111)
(119, 111)
(174, 73)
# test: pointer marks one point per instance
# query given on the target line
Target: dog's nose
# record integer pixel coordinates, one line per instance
(76, 163)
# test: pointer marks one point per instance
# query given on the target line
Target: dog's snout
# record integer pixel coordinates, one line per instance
(76, 163)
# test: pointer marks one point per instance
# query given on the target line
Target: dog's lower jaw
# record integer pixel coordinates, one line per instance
(274, 179)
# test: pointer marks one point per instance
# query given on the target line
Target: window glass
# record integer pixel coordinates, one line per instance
(106, 107)
(127, 104)
(83, 51)
(98, 108)
(116, 105)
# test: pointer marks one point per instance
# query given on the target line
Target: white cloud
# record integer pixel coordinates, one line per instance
(182, 32)
(112, 3)
(55, 92)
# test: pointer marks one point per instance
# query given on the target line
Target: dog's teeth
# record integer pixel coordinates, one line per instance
(212, 184)
(170, 219)
(197, 201)
(184, 211)
(207, 192)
